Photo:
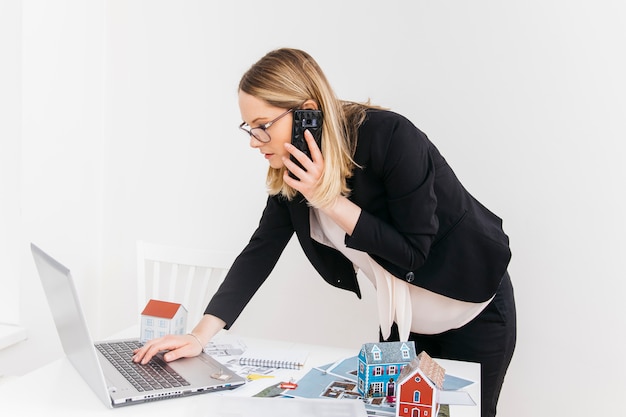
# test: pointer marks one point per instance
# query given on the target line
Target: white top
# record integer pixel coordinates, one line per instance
(414, 309)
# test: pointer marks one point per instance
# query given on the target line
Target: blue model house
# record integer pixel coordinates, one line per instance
(380, 365)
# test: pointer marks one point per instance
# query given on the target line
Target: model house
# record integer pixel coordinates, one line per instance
(379, 365)
(160, 318)
(418, 388)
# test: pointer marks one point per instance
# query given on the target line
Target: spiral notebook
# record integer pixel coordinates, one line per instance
(274, 358)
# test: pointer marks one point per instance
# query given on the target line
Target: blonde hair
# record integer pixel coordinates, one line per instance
(286, 78)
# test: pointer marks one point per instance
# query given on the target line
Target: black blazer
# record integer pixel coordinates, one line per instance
(417, 221)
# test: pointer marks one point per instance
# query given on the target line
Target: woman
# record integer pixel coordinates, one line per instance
(378, 198)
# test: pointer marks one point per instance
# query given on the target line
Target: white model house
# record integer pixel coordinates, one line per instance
(160, 318)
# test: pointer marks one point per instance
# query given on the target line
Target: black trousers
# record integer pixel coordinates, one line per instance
(488, 339)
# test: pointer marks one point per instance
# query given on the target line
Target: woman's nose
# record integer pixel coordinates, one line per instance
(254, 142)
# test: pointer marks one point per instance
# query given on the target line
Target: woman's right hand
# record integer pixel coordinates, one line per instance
(178, 346)
(181, 346)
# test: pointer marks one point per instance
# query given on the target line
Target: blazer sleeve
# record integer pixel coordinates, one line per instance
(417, 219)
(398, 175)
(252, 267)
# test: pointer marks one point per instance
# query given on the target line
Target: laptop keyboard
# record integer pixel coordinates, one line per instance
(156, 374)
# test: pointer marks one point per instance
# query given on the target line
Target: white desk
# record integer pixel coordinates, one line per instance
(10, 335)
(57, 389)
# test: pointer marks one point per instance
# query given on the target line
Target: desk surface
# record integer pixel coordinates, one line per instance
(57, 389)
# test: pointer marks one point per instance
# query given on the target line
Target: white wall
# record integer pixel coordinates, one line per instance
(525, 100)
(62, 63)
(10, 126)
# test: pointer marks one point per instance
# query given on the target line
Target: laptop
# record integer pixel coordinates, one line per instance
(114, 383)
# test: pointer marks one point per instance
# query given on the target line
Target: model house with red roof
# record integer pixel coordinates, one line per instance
(160, 318)
(418, 388)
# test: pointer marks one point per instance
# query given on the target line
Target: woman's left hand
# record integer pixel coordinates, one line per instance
(343, 211)
(313, 168)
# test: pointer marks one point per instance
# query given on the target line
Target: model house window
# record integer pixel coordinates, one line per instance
(416, 397)
(378, 370)
(149, 322)
(392, 370)
(405, 353)
(162, 323)
(377, 388)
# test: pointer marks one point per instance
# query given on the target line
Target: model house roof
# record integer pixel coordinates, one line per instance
(388, 352)
(431, 369)
(163, 309)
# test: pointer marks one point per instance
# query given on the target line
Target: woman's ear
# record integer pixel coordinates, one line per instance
(309, 105)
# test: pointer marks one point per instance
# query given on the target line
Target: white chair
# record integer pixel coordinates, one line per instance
(180, 275)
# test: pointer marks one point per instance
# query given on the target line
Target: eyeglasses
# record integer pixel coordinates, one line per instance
(260, 132)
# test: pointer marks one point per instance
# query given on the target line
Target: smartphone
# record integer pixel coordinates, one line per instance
(303, 120)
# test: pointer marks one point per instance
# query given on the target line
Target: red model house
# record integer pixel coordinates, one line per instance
(418, 388)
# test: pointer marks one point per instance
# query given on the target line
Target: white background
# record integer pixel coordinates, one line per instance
(120, 123)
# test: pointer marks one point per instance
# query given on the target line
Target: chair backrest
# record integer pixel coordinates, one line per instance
(180, 275)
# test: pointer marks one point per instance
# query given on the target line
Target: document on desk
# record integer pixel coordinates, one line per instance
(338, 380)
(230, 406)
(456, 398)
(274, 358)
